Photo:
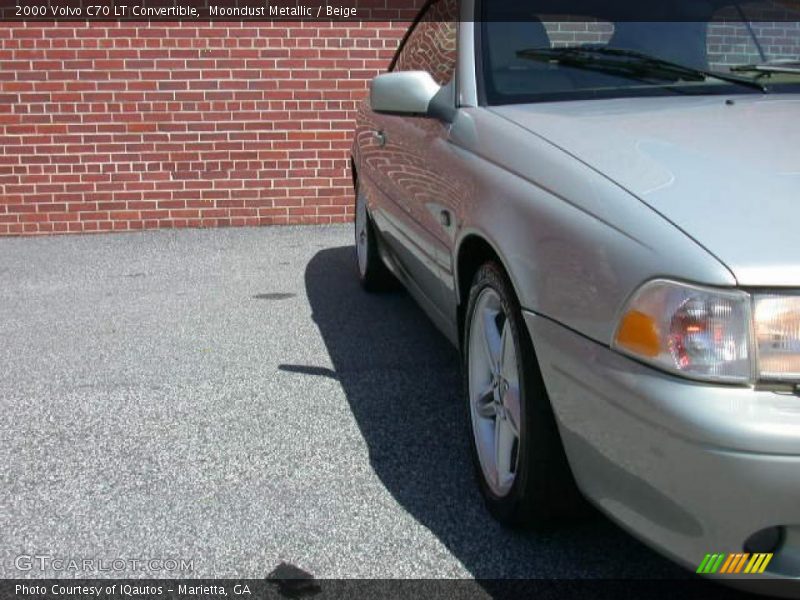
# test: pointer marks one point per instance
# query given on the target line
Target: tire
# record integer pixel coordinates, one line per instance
(516, 448)
(372, 272)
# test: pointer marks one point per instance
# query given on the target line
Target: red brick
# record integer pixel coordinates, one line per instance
(146, 126)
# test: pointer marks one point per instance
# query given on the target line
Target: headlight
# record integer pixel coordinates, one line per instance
(777, 327)
(701, 333)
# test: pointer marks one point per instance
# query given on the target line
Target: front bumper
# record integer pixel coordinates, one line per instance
(690, 468)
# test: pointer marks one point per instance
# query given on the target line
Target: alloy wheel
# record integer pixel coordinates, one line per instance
(494, 392)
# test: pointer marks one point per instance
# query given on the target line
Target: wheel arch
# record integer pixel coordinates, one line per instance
(474, 249)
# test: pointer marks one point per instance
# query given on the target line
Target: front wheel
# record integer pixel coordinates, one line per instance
(372, 272)
(516, 448)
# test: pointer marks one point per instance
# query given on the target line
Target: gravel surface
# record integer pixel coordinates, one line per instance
(232, 398)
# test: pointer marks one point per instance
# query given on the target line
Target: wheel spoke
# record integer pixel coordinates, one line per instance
(511, 402)
(485, 404)
(492, 338)
(508, 355)
(504, 445)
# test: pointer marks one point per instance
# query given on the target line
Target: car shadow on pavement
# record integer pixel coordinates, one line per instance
(402, 380)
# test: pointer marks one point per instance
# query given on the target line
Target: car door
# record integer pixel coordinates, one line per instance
(402, 154)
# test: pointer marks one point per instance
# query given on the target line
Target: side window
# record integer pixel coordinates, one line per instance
(431, 46)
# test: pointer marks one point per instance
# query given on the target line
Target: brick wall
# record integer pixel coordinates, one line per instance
(121, 126)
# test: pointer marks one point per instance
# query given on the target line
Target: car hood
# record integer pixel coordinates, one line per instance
(726, 172)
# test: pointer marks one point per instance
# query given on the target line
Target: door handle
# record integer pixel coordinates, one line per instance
(380, 137)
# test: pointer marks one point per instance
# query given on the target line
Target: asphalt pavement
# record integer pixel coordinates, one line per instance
(232, 398)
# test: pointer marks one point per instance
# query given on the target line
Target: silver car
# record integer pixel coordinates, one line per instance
(601, 211)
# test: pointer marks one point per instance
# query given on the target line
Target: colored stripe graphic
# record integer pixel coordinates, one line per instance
(704, 564)
(732, 564)
(758, 564)
(740, 566)
(711, 563)
(733, 559)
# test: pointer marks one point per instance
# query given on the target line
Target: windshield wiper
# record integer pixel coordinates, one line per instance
(777, 66)
(629, 63)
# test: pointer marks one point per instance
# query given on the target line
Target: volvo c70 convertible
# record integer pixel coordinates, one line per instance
(602, 213)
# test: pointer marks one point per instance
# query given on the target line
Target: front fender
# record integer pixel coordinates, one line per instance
(574, 243)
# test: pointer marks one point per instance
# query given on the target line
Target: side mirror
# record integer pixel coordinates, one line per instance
(403, 93)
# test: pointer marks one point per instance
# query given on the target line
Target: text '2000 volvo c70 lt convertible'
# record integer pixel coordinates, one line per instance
(599, 208)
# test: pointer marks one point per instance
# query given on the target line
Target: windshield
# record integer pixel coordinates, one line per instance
(540, 50)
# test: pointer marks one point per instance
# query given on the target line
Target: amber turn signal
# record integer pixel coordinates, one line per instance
(639, 334)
